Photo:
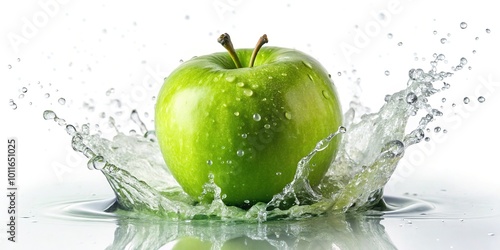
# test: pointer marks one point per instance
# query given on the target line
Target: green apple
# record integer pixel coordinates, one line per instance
(245, 126)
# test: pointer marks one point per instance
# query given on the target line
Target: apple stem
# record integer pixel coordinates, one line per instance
(262, 40)
(225, 41)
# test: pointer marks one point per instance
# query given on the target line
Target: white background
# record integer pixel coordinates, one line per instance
(80, 49)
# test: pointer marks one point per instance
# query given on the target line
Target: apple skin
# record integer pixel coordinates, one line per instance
(245, 127)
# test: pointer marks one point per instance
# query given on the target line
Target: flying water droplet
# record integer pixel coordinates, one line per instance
(61, 101)
(400, 44)
(488, 31)
(389, 35)
(481, 99)
(443, 40)
(47, 95)
(70, 129)
(12, 104)
(437, 129)
(256, 117)
(411, 98)
(463, 61)
(463, 25)
(387, 72)
(466, 100)
(24, 90)
(49, 115)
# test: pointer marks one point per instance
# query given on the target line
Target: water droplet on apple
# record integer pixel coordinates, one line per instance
(210, 162)
(248, 92)
(288, 115)
(240, 153)
(481, 99)
(230, 78)
(236, 113)
(256, 117)
(284, 74)
(325, 94)
(244, 136)
(267, 126)
(463, 25)
(270, 77)
(466, 100)
(307, 64)
(240, 84)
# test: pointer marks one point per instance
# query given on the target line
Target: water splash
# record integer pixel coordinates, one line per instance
(371, 147)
